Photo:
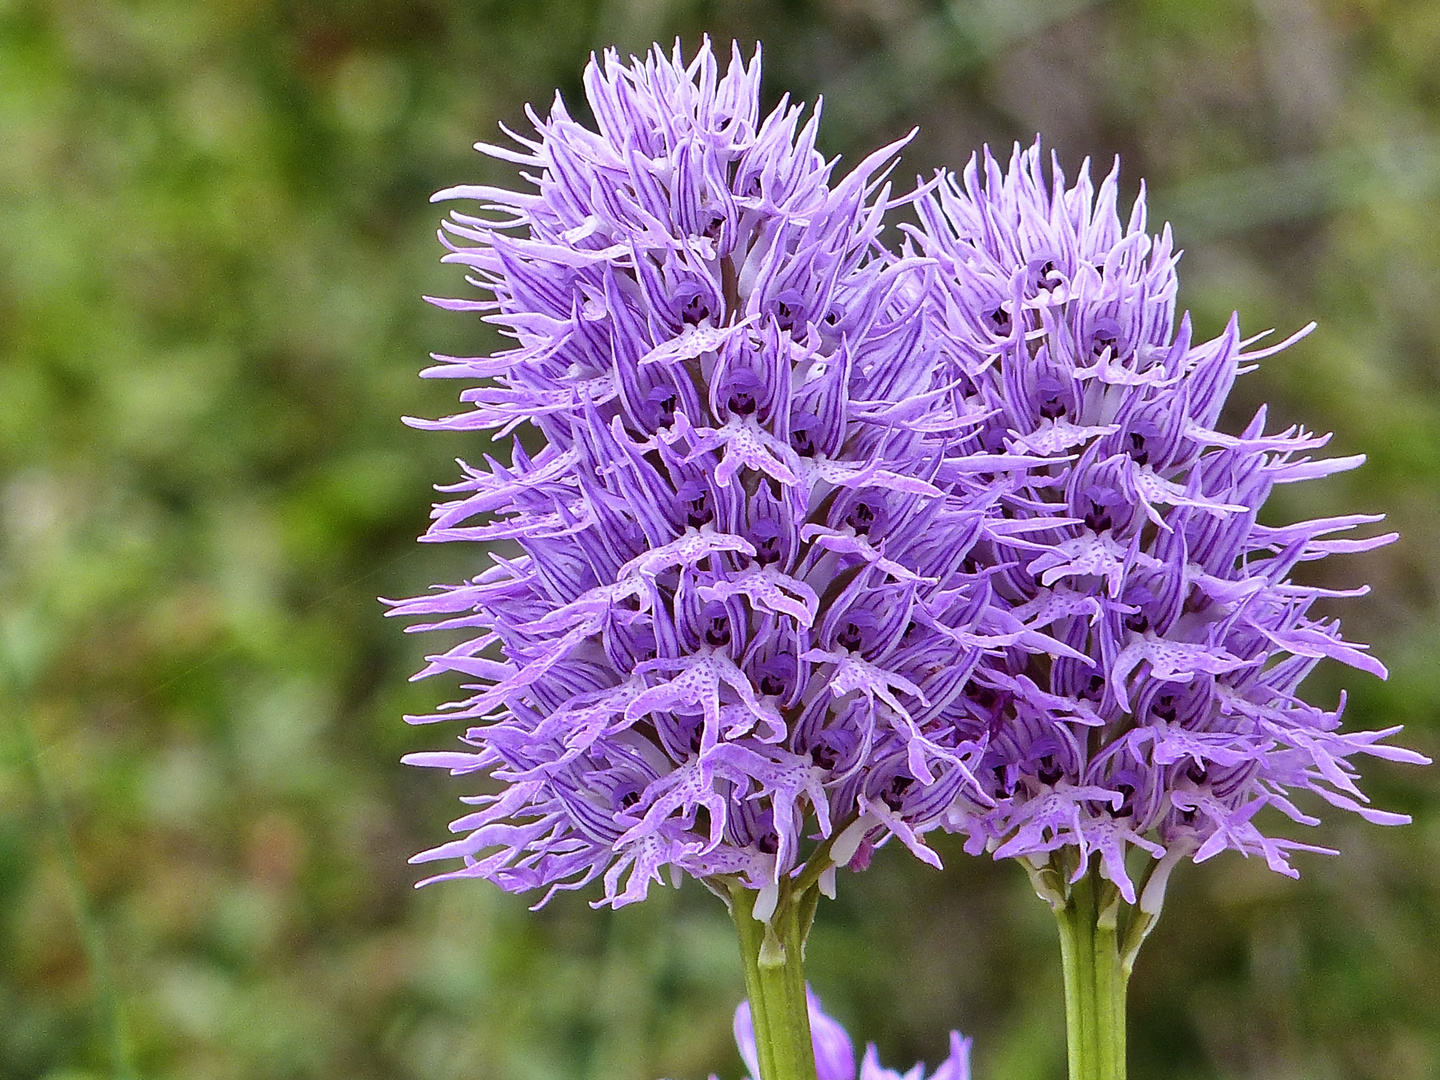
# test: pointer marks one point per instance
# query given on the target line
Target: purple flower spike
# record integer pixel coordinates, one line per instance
(835, 1054)
(1172, 716)
(735, 636)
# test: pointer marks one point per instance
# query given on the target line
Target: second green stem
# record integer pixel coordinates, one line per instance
(775, 982)
(1095, 979)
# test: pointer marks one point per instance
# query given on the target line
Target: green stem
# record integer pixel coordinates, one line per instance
(1096, 974)
(774, 954)
(108, 1010)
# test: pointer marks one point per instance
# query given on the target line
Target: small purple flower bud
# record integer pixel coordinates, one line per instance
(835, 1053)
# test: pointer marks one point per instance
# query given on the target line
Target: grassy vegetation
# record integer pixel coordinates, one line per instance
(214, 233)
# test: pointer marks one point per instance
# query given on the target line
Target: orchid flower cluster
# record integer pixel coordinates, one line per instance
(1165, 714)
(742, 620)
(805, 541)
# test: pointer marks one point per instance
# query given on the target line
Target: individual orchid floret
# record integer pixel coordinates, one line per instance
(1177, 717)
(835, 1054)
(735, 606)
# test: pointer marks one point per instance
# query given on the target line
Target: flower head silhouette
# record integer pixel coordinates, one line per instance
(1174, 715)
(733, 630)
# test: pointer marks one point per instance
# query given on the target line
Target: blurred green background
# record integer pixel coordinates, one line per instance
(214, 233)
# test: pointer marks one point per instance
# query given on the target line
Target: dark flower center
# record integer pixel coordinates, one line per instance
(1197, 773)
(662, 406)
(802, 441)
(698, 511)
(894, 793)
(772, 685)
(696, 310)
(784, 315)
(741, 402)
(1138, 450)
(1043, 275)
(1127, 805)
(717, 630)
(1050, 392)
(861, 517)
(1137, 621)
(850, 636)
(1050, 771)
(1104, 335)
(982, 695)
(1000, 319)
(1097, 519)
(1000, 782)
(767, 549)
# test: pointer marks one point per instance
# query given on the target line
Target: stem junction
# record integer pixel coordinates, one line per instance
(1100, 935)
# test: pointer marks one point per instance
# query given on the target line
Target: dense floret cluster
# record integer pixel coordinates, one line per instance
(808, 544)
(1172, 716)
(741, 620)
